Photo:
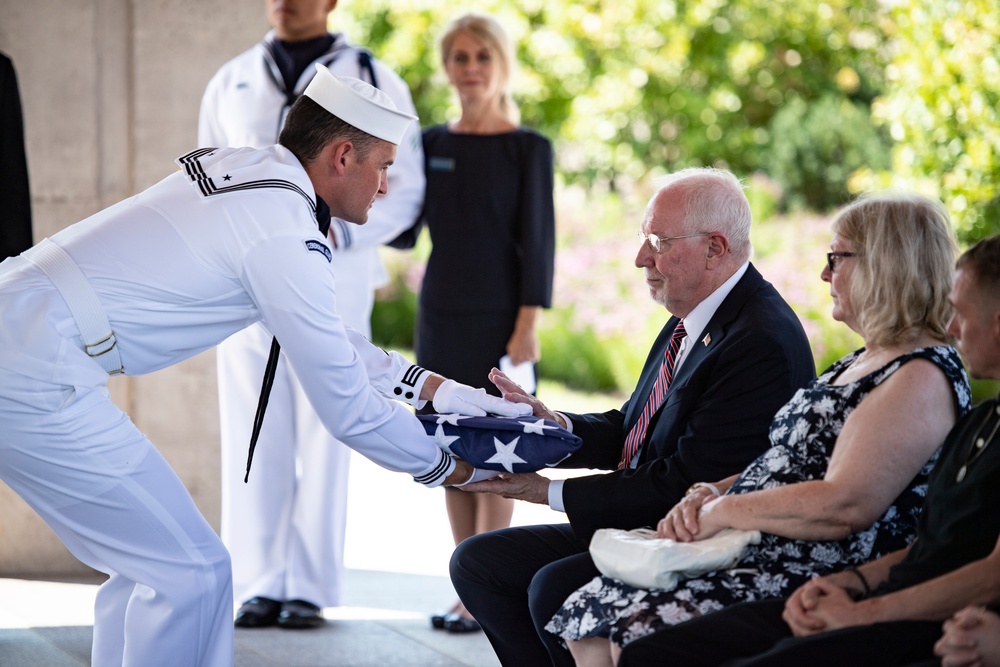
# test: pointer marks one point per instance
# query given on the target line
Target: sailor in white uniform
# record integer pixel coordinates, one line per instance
(286, 533)
(229, 240)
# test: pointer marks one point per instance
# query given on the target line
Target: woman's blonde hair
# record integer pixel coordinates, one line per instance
(906, 253)
(487, 30)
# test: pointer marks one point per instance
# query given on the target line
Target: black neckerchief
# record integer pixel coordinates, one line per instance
(292, 58)
(323, 222)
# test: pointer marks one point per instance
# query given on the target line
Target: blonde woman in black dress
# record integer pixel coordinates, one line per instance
(490, 214)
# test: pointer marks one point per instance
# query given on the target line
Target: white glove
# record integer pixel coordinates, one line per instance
(478, 475)
(452, 397)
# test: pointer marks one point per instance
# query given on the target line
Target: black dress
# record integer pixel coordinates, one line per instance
(490, 214)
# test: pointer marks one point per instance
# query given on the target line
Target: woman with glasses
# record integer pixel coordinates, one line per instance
(489, 209)
(843, 481)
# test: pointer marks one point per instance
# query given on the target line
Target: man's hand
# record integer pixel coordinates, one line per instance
(821, 605)
(971, 639)
(465, 474)
(798, 610)
(514, 393)
(529, 486)
(453, 397)
(461, 474)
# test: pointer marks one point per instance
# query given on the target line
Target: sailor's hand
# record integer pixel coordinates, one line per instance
(453, 397)
(478, 475)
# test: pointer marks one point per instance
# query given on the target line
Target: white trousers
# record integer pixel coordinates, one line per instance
(109, 495)
(285, 528)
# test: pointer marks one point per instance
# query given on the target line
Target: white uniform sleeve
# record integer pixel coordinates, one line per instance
(390, 372)
(399, 208)
(293, 288)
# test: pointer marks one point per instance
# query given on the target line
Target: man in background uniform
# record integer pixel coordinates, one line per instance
(286, 531)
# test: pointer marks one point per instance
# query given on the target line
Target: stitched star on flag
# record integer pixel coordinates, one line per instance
(505, 455)
(451, 418)
(538, 426)
(444, 441)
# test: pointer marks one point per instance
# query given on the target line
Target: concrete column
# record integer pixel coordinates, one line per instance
(110, 92)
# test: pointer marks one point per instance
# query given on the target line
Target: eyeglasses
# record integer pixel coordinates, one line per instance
(660, 244)
(832, 257)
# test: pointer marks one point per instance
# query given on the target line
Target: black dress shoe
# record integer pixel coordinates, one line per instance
(459, 624)
(437, 621)
(257, 612)
(299, 615)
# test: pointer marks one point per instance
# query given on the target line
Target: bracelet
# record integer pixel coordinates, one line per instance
(864, 582)
(703, 485)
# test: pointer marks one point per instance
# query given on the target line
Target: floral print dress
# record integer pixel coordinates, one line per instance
(803, 435)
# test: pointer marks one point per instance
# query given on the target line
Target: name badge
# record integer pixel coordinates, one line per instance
(435, 163)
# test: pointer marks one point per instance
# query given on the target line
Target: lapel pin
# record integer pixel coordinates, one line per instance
(706, 340)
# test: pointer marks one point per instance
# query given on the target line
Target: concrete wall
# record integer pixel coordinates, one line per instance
(110, 92)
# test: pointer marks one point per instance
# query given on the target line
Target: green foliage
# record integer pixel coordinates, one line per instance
(816, 147)
(394, 316)
(578, 359)
(635, 88)
(942, 108)
(984, 389)
(783, 92)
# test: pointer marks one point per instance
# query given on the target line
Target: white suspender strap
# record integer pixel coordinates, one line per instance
(99, 340)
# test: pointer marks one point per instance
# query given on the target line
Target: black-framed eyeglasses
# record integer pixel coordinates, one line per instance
(832, 257)
(660, 244)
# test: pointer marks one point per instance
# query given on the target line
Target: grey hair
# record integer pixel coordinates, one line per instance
(714, 201)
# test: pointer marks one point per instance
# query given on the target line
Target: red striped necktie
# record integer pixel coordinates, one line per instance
(656, 397)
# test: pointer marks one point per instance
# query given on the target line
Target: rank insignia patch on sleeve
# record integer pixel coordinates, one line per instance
(318, 246)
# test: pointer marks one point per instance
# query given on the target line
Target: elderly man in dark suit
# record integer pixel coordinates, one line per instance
(730, 356)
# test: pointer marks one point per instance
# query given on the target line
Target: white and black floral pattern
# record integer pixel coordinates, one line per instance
(803, 435)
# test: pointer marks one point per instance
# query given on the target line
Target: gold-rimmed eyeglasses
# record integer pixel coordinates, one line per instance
(660, 244)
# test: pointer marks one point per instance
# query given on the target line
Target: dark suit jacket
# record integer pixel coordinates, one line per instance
(713, 423)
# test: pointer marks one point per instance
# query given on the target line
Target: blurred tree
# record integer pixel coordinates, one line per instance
(632, 89)
(636, 88)
(942, 108)
(817, 146)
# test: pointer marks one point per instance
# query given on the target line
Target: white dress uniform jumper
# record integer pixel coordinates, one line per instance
(286, 527)
(229, 240)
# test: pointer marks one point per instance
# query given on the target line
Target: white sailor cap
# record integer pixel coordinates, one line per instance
(359, 104)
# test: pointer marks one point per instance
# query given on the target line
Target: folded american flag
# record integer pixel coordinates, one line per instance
(516, 444)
